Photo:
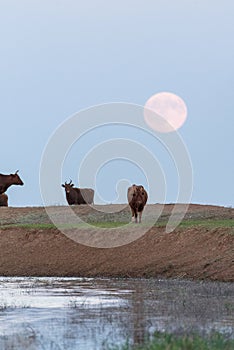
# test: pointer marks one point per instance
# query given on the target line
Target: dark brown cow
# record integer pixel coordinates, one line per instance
(78, 195)
(7, 180)
(3, 200)
(137, 198)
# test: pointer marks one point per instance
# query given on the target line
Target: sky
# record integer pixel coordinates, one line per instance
(60, 57)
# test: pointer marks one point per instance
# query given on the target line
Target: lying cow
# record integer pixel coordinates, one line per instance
(7, 180)
(137, 198)
(78, 195)
(3, 200)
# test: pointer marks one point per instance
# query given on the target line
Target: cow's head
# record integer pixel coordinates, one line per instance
(67, 186)
(139, 191)
(15, 179)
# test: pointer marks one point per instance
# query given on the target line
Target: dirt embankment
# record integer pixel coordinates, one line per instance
(193, 250)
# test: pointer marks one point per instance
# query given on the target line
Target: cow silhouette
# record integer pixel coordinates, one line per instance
(137, 198)
(77, 196)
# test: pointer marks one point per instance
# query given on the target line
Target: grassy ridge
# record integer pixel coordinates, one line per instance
(210, 224)
(37, 218)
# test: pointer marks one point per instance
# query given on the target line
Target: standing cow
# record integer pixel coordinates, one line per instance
(78, 195)
(137, 198)
(3, 200)
(7, 180)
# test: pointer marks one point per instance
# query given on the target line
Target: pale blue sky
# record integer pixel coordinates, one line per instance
(58, 57)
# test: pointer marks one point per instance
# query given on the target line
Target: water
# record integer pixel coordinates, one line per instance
(78, 313)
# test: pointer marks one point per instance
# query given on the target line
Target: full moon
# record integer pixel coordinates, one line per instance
(165, 112)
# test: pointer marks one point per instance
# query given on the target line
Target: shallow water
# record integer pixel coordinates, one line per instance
(84, 313)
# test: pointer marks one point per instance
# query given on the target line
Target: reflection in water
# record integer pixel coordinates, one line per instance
(77, 313)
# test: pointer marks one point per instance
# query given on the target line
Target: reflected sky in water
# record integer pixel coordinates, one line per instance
(85, 313)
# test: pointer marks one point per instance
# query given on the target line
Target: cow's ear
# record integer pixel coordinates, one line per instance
(72, 185)
(63, 185)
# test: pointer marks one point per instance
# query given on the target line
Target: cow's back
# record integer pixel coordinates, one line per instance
(2, 183)
(87, 195)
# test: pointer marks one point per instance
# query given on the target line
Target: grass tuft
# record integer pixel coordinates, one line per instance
(164, 341)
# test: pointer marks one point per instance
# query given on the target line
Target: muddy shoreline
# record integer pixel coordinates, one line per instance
(195, 252)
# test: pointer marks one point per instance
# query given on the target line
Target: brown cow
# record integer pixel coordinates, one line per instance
(7, 180)
(78, 195)
(3, 200)
(137, 198)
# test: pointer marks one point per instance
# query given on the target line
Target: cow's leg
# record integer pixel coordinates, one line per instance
(140, 214)
(133, 215)
(136, 216)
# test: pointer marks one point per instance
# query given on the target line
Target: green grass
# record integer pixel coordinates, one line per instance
(207, 223)
(163, 341)
(187, 223)
(41, 226)
(29, 226)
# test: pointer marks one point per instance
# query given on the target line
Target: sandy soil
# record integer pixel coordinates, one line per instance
(191, 251)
